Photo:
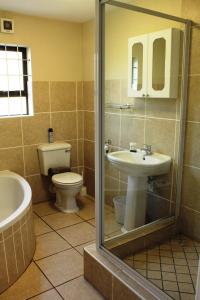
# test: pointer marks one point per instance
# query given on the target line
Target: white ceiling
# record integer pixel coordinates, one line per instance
(70, 10)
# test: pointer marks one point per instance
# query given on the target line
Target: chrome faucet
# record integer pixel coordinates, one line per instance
(147, 149)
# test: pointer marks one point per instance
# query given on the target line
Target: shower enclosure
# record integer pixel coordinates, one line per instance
(142, 81)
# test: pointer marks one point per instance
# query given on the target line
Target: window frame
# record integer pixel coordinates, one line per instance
(26, 74)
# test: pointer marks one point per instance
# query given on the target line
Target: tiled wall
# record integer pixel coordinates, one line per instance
(17, 247)
(57, 105)
(190, 211)
(89, 136)
(152, 121)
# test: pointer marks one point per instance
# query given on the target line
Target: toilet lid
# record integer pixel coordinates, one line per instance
(67, 178)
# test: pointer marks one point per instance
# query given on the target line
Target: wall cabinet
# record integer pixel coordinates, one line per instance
(153, 64)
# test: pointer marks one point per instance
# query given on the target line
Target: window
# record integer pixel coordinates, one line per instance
(15, 81)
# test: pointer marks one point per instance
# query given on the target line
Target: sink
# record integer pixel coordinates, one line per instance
(136, 164)
(138, 167)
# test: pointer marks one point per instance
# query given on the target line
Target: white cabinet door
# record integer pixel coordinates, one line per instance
(137, 66)
(163, 63)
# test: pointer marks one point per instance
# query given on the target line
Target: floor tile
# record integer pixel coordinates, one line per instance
(157, 282)
(78, 234)
(186, 296)
(153, 266)
(182, 269)
(186, 287)
(153, 258)
(140, 265)
(80, 248)
(174, 295)
(49, 295)
(40, 226)
(154, 274)
(92, 222)
(60, 220)
(62, 267)
(184, 278)
(168, 276)
(87, 209)
(44, 208)
(79, 289)
(31, 283)
(48, 244)
(167, 268)
(170, 286)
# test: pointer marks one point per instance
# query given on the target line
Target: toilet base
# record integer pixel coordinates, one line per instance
(66, 201)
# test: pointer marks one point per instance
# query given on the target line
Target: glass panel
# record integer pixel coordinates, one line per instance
(3, 106)
(17, 105)
(3, 83)
(137, 66)
(158, 69)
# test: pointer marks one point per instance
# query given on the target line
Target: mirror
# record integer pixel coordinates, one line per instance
(158, 70)
(137, 66)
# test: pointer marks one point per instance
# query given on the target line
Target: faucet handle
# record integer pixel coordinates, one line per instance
(147, 148)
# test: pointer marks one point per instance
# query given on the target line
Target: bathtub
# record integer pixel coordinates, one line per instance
(17, 239)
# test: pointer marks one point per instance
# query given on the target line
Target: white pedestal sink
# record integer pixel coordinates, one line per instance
(138, 167)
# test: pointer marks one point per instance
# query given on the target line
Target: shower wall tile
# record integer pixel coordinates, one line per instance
(74, 153)
(31, 160)
(191, 188)
(193, 99)
(80, 152)
(80, 99)
(35, 128)
(192, 144)
(89, 181)
(10, 132)
(41, 97)
(88, 95)
(132, 130)
(63, 96)
(112, 128)
(160, 134)
(161, 108)
(190, 222)
(194, 54)
(80, 124)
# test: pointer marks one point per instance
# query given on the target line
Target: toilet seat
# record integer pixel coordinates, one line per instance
(67, 178)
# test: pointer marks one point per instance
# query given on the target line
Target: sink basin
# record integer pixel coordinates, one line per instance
(138, 167)
(135, 164)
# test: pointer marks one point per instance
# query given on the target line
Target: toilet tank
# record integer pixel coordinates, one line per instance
(53, 155)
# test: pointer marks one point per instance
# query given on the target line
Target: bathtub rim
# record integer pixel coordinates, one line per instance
(25, 204)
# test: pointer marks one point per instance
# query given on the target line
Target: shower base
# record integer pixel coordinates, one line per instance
(172, 266)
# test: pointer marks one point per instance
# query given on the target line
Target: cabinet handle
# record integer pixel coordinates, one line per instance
(147, 95)
(143, 95)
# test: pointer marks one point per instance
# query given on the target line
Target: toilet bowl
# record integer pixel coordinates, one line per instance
(67, 186)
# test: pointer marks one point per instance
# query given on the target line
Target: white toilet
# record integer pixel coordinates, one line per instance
(67, 185)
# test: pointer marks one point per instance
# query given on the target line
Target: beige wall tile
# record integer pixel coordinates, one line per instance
(194, 56)
(3, 273)
(190, 223)
(89, 181)
(40, 188)
(157, 208)
(12, 159)
(102, 282)
(89, 126)
(19, 251)
(192, 144)
(191, 188)
(161, 108)
(31, 160)
(112, 128)
(41, 101)
(113, 91)
(10, 132)
(63, 96)
(10, 257)
(80, 152)
(132, 130)
(88, 95)
(122, 292)
(80, 103)
(80, 124)
(193, 100)
(190, 10)
(64, 125)
(161, 135)
(35, 129)
(89, 154)
(74, 153)
(111, 189)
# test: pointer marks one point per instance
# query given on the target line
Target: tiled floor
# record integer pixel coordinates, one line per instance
(171, 266)
(57, 269)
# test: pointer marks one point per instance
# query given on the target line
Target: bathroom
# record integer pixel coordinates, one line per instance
(63, 76)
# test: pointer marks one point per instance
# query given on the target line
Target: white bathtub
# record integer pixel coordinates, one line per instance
(15, 198)
(17, 238)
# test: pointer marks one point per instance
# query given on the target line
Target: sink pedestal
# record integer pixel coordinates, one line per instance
(135, 210)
